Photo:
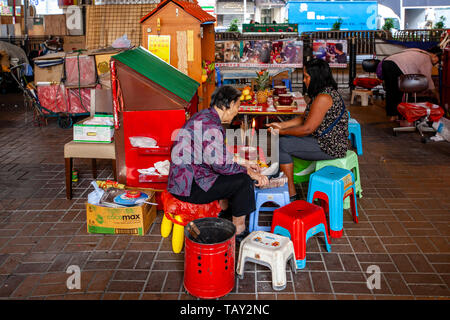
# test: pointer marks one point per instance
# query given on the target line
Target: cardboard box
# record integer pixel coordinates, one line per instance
(52, 74)
(103, 100)
(93, 132)
(133, 220)
(74, 43)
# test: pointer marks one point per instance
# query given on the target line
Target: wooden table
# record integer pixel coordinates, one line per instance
(248, 73)
(270, 110)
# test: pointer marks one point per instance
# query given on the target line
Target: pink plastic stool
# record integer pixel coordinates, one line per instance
(299, 221)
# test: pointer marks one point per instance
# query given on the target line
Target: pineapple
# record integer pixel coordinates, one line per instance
(262, 84)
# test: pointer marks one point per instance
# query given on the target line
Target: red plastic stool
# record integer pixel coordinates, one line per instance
(178, 214)
(299, 221)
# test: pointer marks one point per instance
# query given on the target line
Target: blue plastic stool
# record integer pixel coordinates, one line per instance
(218, 77)
(287, 83)
(280, 196)
(333, 185)
(354, 130)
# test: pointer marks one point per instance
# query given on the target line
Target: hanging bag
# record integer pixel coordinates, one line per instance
(335, 121)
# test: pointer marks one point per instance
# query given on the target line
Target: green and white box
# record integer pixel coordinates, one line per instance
(93, 132)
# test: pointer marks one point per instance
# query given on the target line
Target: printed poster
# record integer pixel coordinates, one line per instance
(260, 53)
(332, 51)
(160, 46)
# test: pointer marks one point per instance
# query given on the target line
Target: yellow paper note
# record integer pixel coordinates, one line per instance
(190, 37)
(160, 46)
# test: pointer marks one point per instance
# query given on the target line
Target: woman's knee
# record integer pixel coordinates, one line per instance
(284, 153)
(283, 144)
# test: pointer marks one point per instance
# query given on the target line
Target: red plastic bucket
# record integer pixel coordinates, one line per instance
(209, 267)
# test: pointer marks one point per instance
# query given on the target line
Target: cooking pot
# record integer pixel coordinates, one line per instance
(370, 65)
(285, 99)
(412, 83)
(279, 90)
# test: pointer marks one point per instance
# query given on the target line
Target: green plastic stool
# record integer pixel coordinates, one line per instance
(302, 170)
(350, 162)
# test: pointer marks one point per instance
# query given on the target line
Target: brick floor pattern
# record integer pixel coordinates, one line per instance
(403, 227)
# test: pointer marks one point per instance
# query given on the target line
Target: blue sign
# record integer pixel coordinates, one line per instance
(319, 16)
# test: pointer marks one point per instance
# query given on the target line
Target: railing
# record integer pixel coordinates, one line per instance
(237, 36)
(428, 35)
(365, 40)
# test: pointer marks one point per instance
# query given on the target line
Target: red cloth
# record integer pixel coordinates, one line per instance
(57, 98)
(367, 83)
(75, 105)
(187, 211)
(53, 98)
(414, 111)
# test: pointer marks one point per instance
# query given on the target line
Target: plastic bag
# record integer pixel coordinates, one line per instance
(414, 111)
(163, 167)
(187, 211)
(443, 129)
(143, 142)
(122, 42)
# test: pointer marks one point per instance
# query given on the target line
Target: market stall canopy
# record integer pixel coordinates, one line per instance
(190, 7)
(149, 83)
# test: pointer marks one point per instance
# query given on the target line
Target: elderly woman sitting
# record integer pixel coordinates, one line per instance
(322, 132)
(202, 171)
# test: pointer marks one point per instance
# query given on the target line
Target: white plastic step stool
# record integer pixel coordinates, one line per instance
(270, 250)
(364, 94)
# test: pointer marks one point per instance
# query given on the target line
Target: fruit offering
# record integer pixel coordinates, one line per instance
(246, 94)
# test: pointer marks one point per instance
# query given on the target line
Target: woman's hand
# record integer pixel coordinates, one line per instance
(250, 166)
(261, 180)
(275, 127)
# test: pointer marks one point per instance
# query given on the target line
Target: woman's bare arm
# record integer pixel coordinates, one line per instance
(321, 104)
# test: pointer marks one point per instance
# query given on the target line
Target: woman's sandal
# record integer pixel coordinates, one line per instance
(241, 236)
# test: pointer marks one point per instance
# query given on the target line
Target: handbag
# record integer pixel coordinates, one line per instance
(335, 121)
(379, 71)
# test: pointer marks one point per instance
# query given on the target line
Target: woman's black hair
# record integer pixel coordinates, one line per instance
(435, 50)
(223, 96)
(321, 76)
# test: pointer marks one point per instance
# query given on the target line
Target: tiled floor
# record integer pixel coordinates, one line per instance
(403, 227)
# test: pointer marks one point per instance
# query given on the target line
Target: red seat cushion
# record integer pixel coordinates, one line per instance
(187, 211)
(367, 83)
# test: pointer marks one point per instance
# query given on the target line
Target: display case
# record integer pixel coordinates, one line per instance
(182, 33)
(151, 99)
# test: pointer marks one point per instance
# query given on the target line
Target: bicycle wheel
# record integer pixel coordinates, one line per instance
(65, 121)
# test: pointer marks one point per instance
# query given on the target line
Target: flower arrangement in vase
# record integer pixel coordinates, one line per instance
(262, 85)
(207, 70)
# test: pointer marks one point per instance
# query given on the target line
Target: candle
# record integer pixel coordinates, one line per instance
(253, 131)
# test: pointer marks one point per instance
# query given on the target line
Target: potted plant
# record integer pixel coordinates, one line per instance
(234, 27)
(440, 24)
(337, 25)
(262, 85)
